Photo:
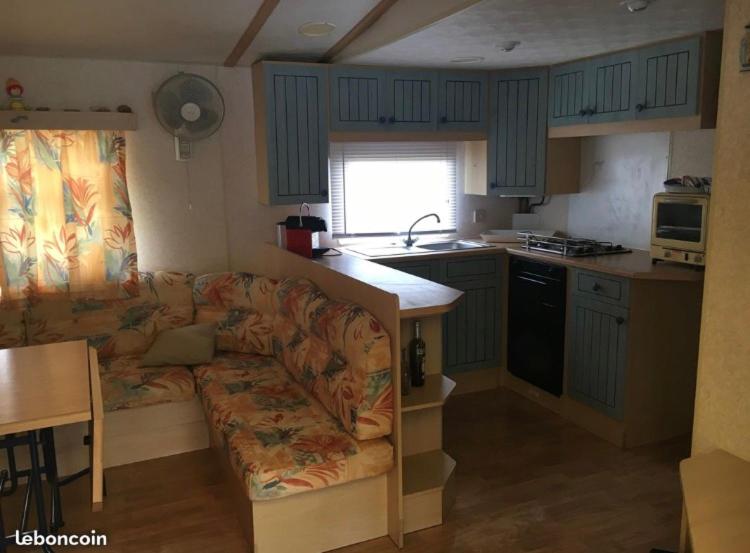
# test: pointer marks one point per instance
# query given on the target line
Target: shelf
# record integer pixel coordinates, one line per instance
(435, 391)
(68, 120)
(427, 472)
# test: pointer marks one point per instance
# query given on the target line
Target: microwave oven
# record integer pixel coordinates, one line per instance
(679, 227)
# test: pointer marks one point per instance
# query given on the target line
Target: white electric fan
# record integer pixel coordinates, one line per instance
(189, 107)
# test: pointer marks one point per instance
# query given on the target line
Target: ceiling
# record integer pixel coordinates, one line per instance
(200, 31)
(550, 31)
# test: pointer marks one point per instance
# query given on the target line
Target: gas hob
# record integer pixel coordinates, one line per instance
(568, 247)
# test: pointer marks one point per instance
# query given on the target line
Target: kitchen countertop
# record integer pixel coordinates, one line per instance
(636, 265)
(417, 297)
(493, 248)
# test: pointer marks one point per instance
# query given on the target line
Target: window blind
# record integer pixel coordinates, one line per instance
(381, 188)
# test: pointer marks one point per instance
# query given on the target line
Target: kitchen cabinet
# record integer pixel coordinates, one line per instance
(668, 81)
(597, 344)
(375, 99)
(569, 93)
(517, 138)
(291, 132)
(471, 332)
(358, 98)
(462, 101)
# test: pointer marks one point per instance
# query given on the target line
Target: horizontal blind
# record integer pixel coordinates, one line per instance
(381, 188)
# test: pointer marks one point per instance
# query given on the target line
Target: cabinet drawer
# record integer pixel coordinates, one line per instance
(473, 268)
(427, 270)
(603, 287)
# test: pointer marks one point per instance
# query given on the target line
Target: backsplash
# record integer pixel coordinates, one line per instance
(619, 176)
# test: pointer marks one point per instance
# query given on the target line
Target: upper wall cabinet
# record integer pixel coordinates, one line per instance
(668, 86)
(517, 141)
(668, 80)
(358, 98)
(291, 132)
(462, 101)
(371, 99)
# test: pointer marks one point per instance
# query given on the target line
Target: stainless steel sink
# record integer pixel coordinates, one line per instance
(452, 245)
(384, 251)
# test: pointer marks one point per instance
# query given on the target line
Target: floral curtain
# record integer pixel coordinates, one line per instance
(65, 221)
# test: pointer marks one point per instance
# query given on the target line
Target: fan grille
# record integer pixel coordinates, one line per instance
(188, 88)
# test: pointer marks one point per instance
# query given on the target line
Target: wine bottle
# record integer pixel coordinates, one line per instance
(417, 351)
(405, 374)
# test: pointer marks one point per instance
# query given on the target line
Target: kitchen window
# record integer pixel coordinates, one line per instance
(381, 188)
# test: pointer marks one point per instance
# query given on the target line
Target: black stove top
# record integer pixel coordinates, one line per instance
(568, 247)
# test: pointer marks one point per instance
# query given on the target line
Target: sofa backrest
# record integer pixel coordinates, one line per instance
(242, 306)
(340, 353)
(337, 350)
(123, 326)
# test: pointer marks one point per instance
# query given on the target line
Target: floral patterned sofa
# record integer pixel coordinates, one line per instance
(299, 395)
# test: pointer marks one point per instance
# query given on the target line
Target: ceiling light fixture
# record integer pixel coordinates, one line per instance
(316, 28)
(508, 45)
(635, 6)
(468, 59)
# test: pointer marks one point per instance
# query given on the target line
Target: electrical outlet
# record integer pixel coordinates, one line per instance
(479, 215)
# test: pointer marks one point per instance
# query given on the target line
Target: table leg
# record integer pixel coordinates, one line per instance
(50, 469)
(97, 464)
(35, 482)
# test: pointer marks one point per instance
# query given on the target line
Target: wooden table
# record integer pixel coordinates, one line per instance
(716, 488)
(52, 385)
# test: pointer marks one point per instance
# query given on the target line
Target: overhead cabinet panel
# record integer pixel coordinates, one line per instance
(518, 133)
(569, 91)
(411, 100)
(462, 101)
(669, 79)
(358, 99)
(296, 133)
(612, 87)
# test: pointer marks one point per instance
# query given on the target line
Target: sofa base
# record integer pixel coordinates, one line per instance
(314, 521)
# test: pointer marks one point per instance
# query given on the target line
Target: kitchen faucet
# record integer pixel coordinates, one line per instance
(409, 241)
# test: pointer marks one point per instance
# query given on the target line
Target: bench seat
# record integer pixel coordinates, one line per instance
(126, 385)
(279, 439)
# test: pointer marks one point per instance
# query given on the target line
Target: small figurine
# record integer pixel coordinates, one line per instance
(15, 95)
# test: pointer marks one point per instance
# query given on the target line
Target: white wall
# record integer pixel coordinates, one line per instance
(202, 215)
(619, 176)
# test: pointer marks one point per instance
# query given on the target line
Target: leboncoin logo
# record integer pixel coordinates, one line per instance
(35, 539)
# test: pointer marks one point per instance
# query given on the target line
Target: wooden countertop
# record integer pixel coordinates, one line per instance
(417, 297)
(492, 248)
(636, 265)
(715, 486)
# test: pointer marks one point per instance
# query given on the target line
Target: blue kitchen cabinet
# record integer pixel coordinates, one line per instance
(427, 269)
(517, 137)
(612, 87)
(294, 127)
(597, 354)
(668, 81)
(462, 101)
(569, 86)
(411, 100)
(358, 98)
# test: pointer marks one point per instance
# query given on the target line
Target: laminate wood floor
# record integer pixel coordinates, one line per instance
(527, 481)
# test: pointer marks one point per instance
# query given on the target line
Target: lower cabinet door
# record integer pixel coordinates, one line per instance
(597, 346)
(427, 269)
(471, 332)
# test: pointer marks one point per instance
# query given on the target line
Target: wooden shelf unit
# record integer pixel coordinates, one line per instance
(68, 120)
(435, 391)
(428, 489)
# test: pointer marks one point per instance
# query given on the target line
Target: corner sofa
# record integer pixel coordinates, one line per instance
(297, 398)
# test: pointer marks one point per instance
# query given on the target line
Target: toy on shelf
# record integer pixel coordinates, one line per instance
(15, 95)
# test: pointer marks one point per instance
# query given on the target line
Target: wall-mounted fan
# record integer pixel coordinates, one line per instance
(189, 107)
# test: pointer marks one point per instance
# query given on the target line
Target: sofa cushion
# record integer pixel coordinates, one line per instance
(126, 385)
(187, 345)
(340, 353)
(279, 439)
(116, 327)
(242, 306)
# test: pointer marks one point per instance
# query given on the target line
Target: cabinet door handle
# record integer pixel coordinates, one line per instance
(583, 112)
(381, 119)
(620, 321)
(596, 287)
(324, 192)
(391, 119)
(493, 185)
(443, 119)
(591, 111)
(640, 107)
